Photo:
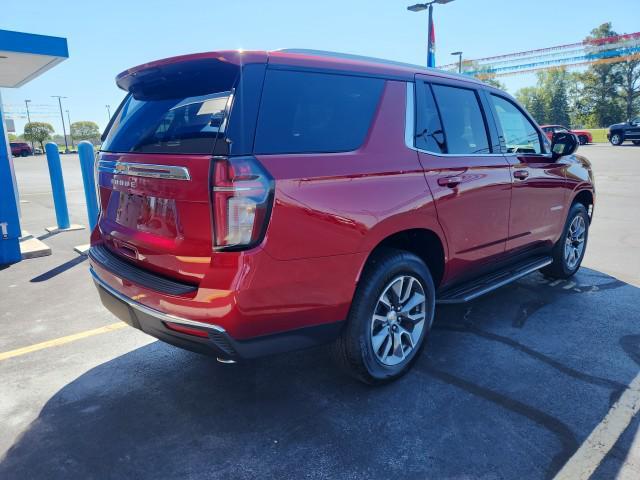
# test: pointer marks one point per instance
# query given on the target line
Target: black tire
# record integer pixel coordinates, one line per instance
(616, 138)
(636, 142)
(24, 153)
(582, 139)
(561, 266)
(354, 350)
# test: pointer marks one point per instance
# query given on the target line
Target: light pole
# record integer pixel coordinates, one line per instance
(64, 130)
(26, 104)
(459, 60)
(70, 134)
(108, 113)
(419, 7)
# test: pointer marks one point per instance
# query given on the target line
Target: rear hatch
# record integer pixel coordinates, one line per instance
(154, 167)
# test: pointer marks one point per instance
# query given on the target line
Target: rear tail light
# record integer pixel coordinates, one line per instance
(242, 198)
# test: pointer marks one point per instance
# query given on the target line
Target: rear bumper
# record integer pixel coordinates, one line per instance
(217, 341)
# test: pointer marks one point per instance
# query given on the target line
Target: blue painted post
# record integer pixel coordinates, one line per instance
(57, 185)
(9, 215)
(87, 159)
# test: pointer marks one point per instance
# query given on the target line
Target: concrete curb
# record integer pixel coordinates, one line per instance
(73, 227)
(31, 247)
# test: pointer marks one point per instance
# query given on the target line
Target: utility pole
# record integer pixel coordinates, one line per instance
(70, 134)
(419, 7)
(64, 130)
(26, 104)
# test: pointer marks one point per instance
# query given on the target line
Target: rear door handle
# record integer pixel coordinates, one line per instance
(449, 181)
(521, 174)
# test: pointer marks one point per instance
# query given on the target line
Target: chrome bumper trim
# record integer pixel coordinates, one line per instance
(165, 317)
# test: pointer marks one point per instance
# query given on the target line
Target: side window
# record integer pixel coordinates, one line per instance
(429, 133)
(519, 134)
(462, 120)
(304, 112)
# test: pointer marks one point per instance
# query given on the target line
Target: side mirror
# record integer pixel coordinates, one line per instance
(563, 143)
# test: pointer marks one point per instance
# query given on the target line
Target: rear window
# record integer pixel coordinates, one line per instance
(304, 112)
(177, 125)
(177, 108)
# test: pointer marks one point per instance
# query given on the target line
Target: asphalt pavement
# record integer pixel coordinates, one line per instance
(537, 379)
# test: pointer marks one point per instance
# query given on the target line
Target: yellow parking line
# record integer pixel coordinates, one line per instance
(61, 341)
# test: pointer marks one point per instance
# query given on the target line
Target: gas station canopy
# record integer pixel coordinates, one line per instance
(24, 56)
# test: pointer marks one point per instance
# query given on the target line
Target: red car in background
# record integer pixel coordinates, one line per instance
(20, 149)
(584, 136)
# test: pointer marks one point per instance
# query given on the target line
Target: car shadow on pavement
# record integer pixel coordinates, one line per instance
(509, 387)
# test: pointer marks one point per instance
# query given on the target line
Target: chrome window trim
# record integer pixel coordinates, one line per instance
(170, 172)
(165, 317)
(409, 130)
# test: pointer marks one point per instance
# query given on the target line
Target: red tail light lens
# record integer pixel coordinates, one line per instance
(242, 198)
(186, 330)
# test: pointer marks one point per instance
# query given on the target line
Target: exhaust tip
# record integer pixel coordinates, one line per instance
(225, 360)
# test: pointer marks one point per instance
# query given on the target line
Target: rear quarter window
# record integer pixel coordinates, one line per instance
(303, 112)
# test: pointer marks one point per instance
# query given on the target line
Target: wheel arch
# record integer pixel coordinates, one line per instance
(618, 131)
(424, 243)
(585, 197)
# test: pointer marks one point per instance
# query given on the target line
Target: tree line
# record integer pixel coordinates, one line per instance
(41, 132)
(601, 95)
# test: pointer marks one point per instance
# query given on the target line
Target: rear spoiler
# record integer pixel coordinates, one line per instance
(201, 72)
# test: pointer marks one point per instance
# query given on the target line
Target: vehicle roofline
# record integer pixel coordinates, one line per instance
(324, 58)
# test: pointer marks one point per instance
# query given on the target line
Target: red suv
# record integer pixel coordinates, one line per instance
(259, 202)
(20, 149)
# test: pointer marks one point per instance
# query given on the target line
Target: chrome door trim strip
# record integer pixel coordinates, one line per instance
(169, 172)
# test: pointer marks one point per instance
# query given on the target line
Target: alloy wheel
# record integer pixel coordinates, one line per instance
(574, 243)
(398, 320)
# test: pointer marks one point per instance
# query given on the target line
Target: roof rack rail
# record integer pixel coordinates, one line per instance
(364, 58)
(349, 56)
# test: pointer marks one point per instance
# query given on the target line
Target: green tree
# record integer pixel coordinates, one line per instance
(472, 67)
(600, 85)
(38, 132)
(553, 87)
(629, 91)
(494, 82)
(13, 137)
(85, 130)
(531, 98)
(578, 108)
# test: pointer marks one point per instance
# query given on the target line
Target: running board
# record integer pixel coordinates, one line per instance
(488, 283)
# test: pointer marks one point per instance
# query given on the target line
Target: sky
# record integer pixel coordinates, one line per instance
(107, 37)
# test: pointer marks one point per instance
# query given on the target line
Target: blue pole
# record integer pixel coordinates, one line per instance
(57, 185)
(431, 47)
(87, 159)
(9, 216)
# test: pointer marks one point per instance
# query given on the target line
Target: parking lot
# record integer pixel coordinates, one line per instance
(522, 383)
